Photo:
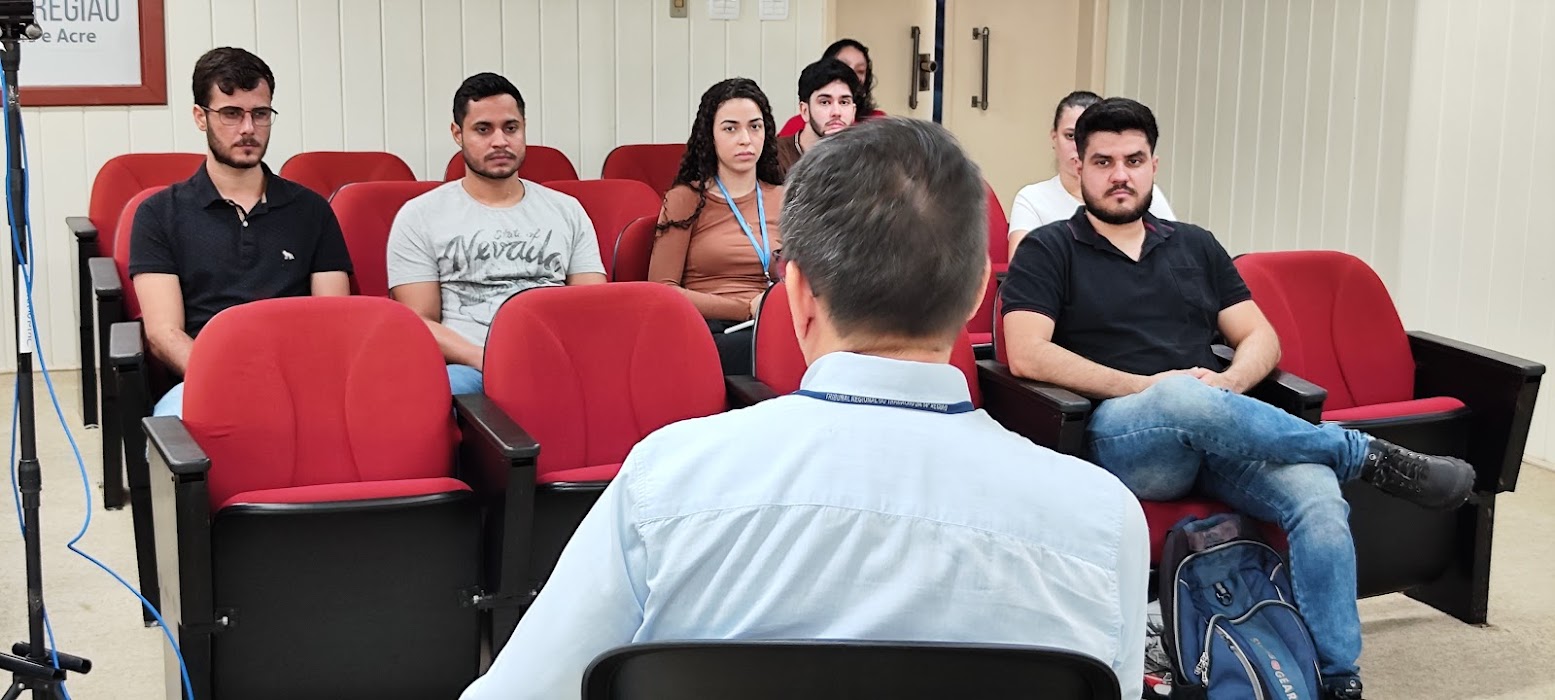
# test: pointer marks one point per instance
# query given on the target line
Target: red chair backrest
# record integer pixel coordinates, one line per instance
(541, 164)
(327, 171)
(780, 364)
(611, 205)
(589, 371)
(654, 164)
(304, 391)
(998, 231)
(122, 177)
(998, 254)
(633, 250)
(1337, 325)
(121, 249)
(366, 212)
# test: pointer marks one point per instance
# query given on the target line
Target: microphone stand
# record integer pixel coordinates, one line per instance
(32, 666)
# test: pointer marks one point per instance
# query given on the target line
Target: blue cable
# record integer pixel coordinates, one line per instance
(86, 488)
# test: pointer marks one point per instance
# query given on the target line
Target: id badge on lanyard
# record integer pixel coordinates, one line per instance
(764, 246)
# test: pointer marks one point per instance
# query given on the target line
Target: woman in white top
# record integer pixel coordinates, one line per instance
(1056, 199)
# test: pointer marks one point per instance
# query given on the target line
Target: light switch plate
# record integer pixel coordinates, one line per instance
(678, 9)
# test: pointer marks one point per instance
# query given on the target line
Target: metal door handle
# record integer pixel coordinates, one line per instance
(912, 72)
(982, 34)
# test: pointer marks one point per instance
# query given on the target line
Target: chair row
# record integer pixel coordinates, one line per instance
(369, 187)
(281, 443)
(308, 513)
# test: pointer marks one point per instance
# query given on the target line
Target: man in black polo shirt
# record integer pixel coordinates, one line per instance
(1121, 306)
(234, 232)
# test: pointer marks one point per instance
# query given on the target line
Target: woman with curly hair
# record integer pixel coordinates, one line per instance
(856, 56)
(718, 237)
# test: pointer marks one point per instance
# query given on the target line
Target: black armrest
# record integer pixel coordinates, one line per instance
(105, 279)
(494, 450)
(744, 390)
(126, 347)
(1499, 390)
(85, 231)
(1046, 414)
(172, 441)
(493, 426)
(1284, 390)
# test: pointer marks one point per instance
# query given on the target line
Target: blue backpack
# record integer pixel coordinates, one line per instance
(1232, 627)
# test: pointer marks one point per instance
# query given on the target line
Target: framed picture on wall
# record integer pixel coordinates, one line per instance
(95, 52)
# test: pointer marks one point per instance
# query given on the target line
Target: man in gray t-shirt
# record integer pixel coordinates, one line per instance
(458, 252)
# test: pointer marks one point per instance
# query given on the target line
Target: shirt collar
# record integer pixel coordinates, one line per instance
(278, 191)
(886, 378)
(1157, 231)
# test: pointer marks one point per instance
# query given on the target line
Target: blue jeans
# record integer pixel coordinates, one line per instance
(1263, 462)
(464, 379)
(171, 403)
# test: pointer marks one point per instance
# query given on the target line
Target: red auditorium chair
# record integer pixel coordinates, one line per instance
(327, 171)
(311, 535)
(1339, 329)
(981, 325)
(579, 375)
(541, 164)
(130, 384)
(842, 670)
(119, 180)
(1063, 423)
(655, 164)
(611, 205)
(633, 250)
(366, 211)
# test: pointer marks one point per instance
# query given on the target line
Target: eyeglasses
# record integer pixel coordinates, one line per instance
(233, 116)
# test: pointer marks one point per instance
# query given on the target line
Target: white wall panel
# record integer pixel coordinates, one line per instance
(380, 75)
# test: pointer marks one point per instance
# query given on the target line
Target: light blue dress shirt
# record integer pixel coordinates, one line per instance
(800, 518)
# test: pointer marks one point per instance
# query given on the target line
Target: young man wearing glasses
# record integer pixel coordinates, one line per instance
(234, 232)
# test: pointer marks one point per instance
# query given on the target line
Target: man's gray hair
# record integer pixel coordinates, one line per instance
(888, 220)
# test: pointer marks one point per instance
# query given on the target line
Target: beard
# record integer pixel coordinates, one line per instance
(226, 155)
(1120, 216)
(498, 172)
(819, 128)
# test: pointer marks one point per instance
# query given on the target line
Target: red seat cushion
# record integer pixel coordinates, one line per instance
(653, 164)
(366, 212)
(356, 491)
(610, 205)
(602, 472)
(123, 177)
(1396, 409)
(1160, 516)
(327, 171)
(1337, 325)
(589, 371)
(306, 391)
(541, 164)
(780, 363)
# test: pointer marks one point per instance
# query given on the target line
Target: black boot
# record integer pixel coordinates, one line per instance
(1342, 688)
(1426, 480)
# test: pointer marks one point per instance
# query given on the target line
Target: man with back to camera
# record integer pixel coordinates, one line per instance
(888, 509)
(826, 91)
(234, 232)
(458, 252)
(1119, 305)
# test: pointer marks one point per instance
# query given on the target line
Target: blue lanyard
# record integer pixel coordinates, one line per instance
(764, 248)
(951, 408)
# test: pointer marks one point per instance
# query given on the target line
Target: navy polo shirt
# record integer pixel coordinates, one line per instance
(224, 256)
(1157, 314)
